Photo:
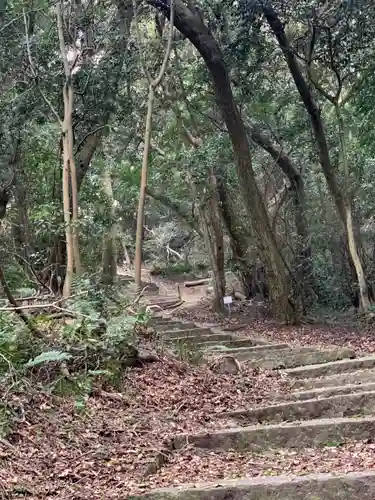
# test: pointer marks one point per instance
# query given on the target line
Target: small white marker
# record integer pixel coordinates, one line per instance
(227, 302)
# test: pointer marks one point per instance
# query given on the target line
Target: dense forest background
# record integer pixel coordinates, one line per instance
(237, 140)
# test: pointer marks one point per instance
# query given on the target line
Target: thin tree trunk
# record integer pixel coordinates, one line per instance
(74, 186)
(68, 95)
(67, 222)
(67, 138)
(142, 191)
(218, 243)
(153, 84)
(109, 240)
(352, 244)
(213, 243)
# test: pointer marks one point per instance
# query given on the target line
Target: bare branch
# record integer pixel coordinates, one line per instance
(35, 76)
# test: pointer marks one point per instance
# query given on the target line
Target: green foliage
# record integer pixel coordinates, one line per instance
(47, 357)
(176, 269)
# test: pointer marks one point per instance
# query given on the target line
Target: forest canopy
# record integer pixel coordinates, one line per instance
(251, 123)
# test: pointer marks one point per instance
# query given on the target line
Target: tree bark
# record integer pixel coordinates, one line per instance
(67, 135)
(189, 21)
(238, 237)
(142, 192)
(213, 243)
(217, 239)
(352, 243)
(109, 260)
(90, 143)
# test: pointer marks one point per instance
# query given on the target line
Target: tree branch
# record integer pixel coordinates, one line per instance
(176, 208)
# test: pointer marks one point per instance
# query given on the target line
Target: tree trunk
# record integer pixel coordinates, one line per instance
(343, 207)
(189, 21)
(352, 243)
(67, 221)
(214, 245)
(90, 143)
(109, 272)
(74, 185)
(218, 243)
(303, 264)
(153, 84)
(69, 171)
(239, 240)
(142, 191)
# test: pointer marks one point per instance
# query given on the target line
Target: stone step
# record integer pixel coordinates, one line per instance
(192, 332)
(355, 377)
(174, 326)
(162, 300)
(322, 392)
(352, 486)
(297, 435)
(200, 341)
(291, 358)
(344, 405)
(332, 368)
(226, 349)
(232, 343)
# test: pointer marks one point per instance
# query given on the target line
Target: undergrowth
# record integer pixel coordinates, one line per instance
(90, 346)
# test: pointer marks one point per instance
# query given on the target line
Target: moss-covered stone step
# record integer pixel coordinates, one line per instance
(323, 392)
(332, 368)
(352, 486)
(297, 435)
(290, 358)
(256, 350)
(345, 405)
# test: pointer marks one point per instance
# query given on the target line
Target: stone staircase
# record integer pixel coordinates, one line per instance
(333, 401)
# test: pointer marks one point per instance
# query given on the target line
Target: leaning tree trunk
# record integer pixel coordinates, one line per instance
(190, 23)
(342, 204)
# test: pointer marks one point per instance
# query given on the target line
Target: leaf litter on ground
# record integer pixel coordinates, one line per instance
(191, 466)
(104, 448)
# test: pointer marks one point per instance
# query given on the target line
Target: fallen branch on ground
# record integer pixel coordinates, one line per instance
(239, 296)
(203, 281)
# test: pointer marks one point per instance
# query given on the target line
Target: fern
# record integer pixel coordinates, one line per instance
(46, 357)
